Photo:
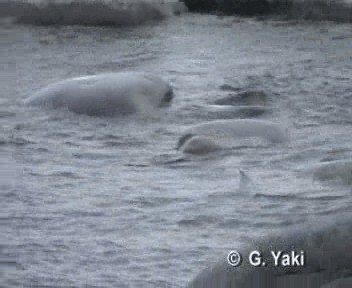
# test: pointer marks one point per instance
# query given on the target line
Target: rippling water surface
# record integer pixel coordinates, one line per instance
(100, 202)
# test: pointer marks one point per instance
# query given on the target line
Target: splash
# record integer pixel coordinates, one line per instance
(88, 13)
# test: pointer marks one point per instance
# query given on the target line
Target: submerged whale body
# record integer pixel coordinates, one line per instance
(213, 112)
(338, 170)
(326, 246)
(251, 97)
(106, 94)
(210, 136)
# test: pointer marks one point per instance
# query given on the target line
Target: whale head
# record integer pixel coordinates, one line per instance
(183, 140)
(158, 91)
(197, 144)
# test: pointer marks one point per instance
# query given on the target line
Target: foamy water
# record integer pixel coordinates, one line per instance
(110, 202)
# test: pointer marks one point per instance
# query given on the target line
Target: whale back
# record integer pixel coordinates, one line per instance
(241, 128)
(335, 170)
(53, 95)
(106, 93)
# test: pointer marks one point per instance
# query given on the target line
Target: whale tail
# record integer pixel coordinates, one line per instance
(245, 181)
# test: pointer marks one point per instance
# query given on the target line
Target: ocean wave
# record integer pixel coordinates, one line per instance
(326, 242)
(339, 11)
(88, 13)
(321, 10)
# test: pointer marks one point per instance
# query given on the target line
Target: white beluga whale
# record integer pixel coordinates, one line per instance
(106, 94)
(337, 170)
(213, 112)
(194, 144)
(215, 135)
(250, 97)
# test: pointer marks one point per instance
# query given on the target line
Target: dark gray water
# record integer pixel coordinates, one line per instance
(100, 202)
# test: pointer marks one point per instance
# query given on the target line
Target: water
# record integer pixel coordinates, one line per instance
(100, 202)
